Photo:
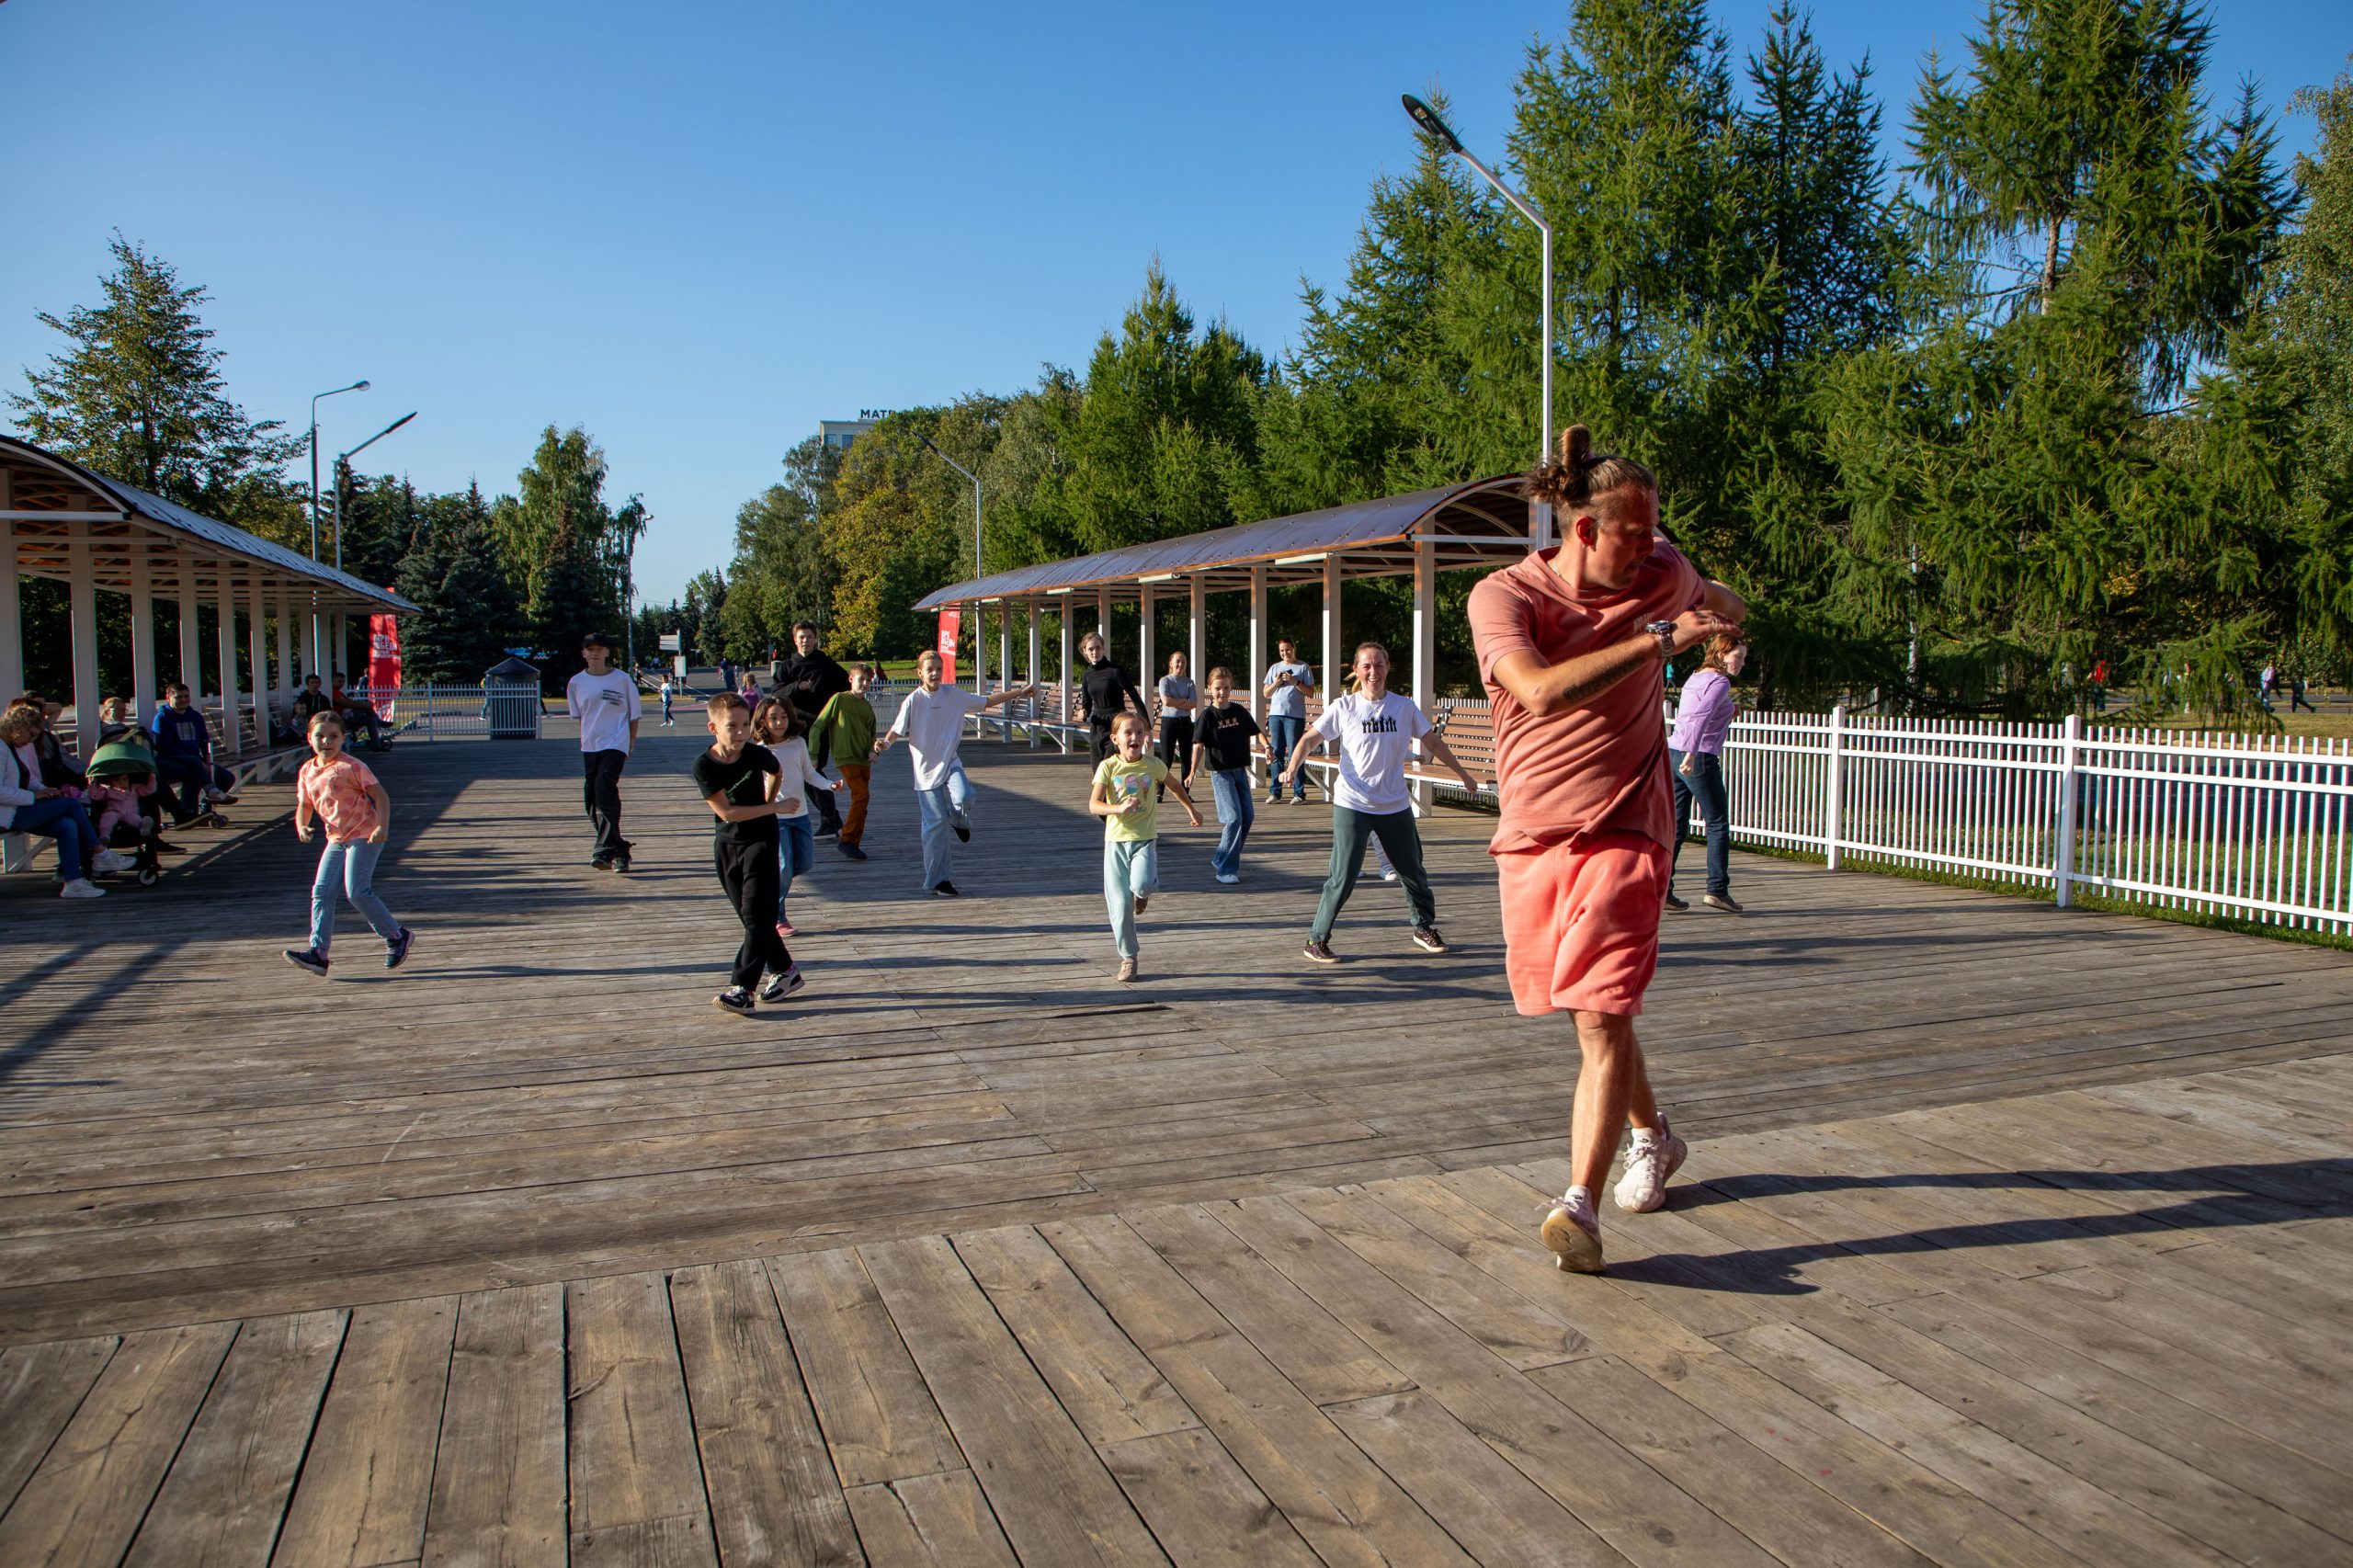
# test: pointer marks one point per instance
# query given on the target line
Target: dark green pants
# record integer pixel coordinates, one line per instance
(1403, 844)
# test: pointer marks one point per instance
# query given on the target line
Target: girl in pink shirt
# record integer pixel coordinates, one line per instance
(338, 791)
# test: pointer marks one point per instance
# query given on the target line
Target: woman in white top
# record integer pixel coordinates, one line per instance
(778, 724)
(1373, 731)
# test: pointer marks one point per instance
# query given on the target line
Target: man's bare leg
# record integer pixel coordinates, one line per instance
(1613, 1089)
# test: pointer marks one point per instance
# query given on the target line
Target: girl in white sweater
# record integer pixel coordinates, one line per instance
(778, 725)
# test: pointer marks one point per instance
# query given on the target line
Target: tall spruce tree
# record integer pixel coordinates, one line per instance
(467, 615)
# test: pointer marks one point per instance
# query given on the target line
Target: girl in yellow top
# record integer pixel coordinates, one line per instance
(1126, 796)
(338, 791)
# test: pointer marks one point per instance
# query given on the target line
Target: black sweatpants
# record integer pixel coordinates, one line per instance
(1176, 745)
(601, 792)
(749, 873)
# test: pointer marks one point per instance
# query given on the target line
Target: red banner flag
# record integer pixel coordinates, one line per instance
(949, 621)
(383, 659)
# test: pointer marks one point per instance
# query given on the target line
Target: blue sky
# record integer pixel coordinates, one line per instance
(698, 228)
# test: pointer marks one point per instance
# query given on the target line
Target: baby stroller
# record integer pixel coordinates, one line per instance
(119, 762)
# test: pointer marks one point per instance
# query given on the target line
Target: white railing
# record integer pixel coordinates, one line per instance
(452, 712)
(2253, 827)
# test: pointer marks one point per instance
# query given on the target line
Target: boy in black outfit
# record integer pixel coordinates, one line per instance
(739, 781)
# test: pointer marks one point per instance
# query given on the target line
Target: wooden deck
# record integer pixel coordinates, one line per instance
(2010, 1235)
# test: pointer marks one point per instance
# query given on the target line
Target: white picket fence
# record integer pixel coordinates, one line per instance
(446, 713)
(2253, 827)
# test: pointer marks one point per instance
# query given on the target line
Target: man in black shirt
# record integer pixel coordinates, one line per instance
(738, 781)
(1101, 692)
(808, 680)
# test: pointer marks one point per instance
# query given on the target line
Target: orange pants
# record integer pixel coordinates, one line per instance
(858, 776)
(1581, 922)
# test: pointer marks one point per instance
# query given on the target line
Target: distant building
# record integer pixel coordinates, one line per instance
(837, 434)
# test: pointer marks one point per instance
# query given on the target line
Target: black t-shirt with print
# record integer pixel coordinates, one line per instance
(1226, 730)
(744, 782)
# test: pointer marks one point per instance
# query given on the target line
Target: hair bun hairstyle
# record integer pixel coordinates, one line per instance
(1577, 477)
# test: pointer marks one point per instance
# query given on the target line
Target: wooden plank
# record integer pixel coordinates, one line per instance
(773, 1493)
(1049, 1490)
(84, 1502)
(635, 1484)
(1622, 1501)
(880, 1421)
(929, 1521)
(1105, 1385)
(227, 1491)
(1488, 1505)
(1348, 1510)
(40, 1386)
(1200, 1507)
(368, 1478)
(498, 1479)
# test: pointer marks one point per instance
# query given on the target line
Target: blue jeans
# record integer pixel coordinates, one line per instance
(938, 808)
(191, 776)
(1236, 812)
(66, 820)
(1283, 733)
(1705, 785)
(352, 864)
(1131, 870)
(795, 851)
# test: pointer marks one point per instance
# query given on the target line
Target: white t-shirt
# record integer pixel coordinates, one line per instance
(932, 723)
(1288, 702)
(797, 774)
(605, 706)
(1376, 739)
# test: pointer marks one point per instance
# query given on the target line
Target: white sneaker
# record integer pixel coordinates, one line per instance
(1228, 878)
(108, 861)
(1649, 1162)
(1573, 1234)
(81, 887)
(1389, 873)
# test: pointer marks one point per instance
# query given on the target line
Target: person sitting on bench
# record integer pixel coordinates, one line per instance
(184, 760)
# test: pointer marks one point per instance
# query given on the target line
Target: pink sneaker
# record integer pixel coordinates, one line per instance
(786, 929)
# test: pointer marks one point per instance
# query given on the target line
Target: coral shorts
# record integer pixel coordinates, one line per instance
(1581, 922)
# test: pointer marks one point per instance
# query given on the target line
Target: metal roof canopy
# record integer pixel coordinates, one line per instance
(53, 502)
(1483, 522)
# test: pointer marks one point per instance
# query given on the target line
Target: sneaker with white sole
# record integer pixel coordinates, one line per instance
(1573, 1232)
(780, 986)
(734, 999)
(106, 862)
(1427, 938)
(81, 887)
(1127, 971)
(1651, 1158)
(1228, 878)
(309, 959)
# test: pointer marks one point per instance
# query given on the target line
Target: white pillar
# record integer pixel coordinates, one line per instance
(12, 613)
(980, 647)
(1062, 670)
(82, 597)
(1103, 615)
(312, 629)
(1196, 648)
(1424, 636)
(257, 646)
(233, 730)
(1148, 674)
(1256, 676)
(1329, 679)
(142, 633)
(1004, 644)
(1036, 702)
(191, 670)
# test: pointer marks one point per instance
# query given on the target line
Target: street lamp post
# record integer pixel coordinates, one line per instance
(980, 653)
(1426, 117)
(356, 386)
(342, 458)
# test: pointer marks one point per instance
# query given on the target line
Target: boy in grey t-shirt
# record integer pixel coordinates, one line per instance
(1289, 684)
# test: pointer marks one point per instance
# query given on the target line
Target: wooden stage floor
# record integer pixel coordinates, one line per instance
(2009, 1234)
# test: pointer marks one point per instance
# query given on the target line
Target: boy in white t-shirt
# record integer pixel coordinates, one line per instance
(932, 722)
(606, 702)
(1375, 730)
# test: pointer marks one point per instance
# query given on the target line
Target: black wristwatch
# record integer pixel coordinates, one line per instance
(1665, 632)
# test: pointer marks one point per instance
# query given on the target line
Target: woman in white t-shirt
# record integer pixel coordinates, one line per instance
(1373, 731)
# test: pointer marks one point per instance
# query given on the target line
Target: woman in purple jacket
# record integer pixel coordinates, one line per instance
(1695, 750)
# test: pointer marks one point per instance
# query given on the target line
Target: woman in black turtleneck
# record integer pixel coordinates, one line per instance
(1101, 694)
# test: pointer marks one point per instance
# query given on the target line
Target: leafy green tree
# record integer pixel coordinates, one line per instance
(138, 395)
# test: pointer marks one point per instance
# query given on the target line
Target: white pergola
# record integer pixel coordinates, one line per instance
(96, 535)
(1484, 523)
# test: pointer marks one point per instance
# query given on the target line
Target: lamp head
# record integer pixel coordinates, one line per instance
(1426, 117)
(360, 386)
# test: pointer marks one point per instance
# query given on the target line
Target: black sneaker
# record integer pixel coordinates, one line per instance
(1427, 938)
(308, 957)
(852, 852)
(964, 826)
(396, 950)
(620, 863)
(1320, 953)
(944, 890)
(826, 834)
(1677, 906)
(780, 986)
(734, 999)
(600, 863)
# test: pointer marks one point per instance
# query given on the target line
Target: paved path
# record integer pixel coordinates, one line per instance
(975, 1256)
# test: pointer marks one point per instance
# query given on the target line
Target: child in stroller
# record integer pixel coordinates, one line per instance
(122, 788)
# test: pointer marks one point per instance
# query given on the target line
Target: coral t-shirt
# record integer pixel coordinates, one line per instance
(337, 791)
(1600, 767)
